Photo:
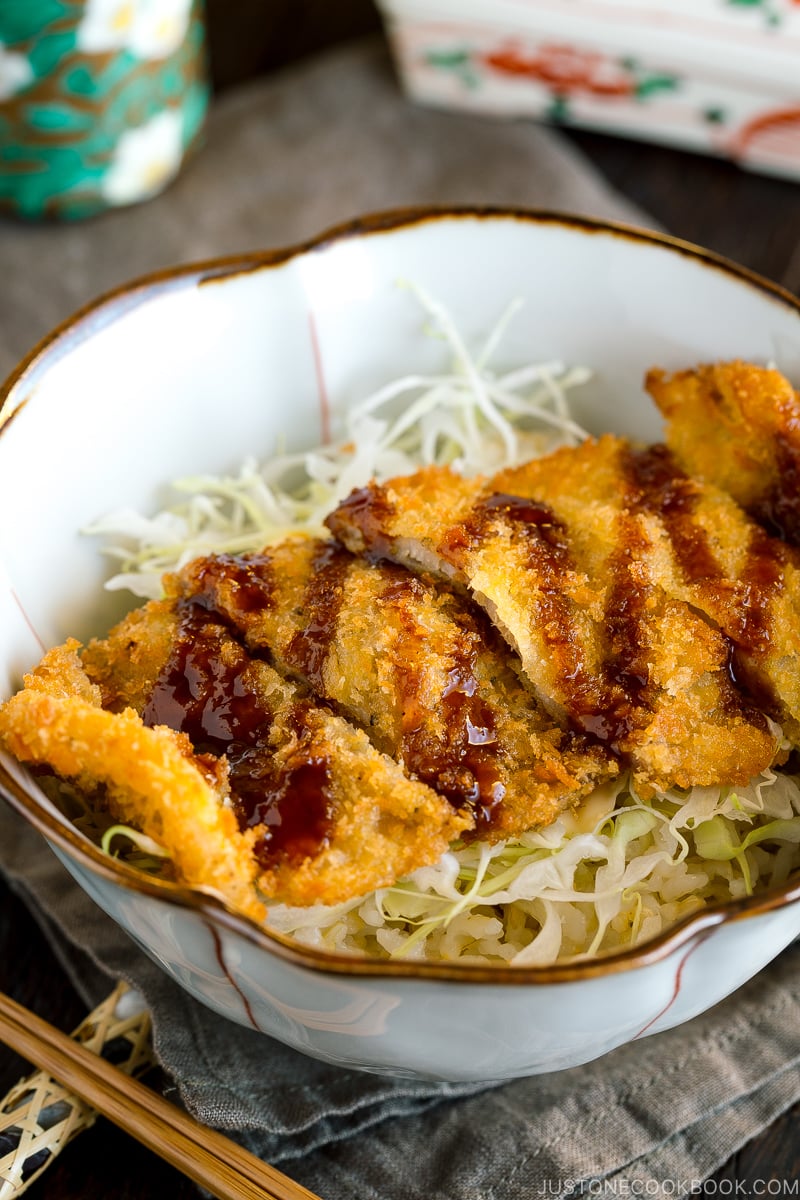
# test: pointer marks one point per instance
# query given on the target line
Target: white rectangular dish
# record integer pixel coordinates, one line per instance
(716, 76)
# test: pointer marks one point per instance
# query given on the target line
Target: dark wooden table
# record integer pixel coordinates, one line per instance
(750, 218)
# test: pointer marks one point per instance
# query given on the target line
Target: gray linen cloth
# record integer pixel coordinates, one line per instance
(284, 158)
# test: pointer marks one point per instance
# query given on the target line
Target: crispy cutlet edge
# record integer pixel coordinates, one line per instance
(412, 826)
(150, 780)
(392, 506)
(535, 791)
(746, 414)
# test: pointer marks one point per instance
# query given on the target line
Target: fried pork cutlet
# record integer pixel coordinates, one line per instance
(737, 425)
(567, 555)
(709, 555)
(412, 664)
(149, 775)
(241, 777)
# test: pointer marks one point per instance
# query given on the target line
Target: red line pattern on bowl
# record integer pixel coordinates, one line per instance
(220, 956)
(322, 388)
(676, 989)
(27, 620)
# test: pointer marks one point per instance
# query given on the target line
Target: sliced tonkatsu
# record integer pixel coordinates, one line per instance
(248, 784)
(411, 663)
(710, 555)
(571, 560)
(737, 425)
(465, 658)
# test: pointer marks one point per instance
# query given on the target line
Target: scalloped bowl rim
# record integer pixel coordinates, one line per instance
(56, 829)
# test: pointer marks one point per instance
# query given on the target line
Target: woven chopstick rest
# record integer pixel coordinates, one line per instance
(39, 1116)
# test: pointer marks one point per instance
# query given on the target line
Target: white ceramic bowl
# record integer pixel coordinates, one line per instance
(190, 370)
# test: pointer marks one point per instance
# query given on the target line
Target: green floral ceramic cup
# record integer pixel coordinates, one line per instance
(100, 100)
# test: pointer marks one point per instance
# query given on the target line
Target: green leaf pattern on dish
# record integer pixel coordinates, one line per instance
(99, 101)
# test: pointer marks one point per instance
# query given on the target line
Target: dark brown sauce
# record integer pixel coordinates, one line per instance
(308, 650)
(739, 607)
(461, 763)
(233, 584)
(471, 739)
(657, 485)
(779, 510)
(590, 705)
(521, 509)
(203, 691)
(625, 669)
(295, 806)
(654, 484)
(366, 511)
(762, 579)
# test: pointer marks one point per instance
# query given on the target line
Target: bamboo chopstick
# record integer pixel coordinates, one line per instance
(221, 1166)
(39, 1117)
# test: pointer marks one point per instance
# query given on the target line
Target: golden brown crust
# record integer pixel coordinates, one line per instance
(737, 426)
(383, 824)
(125, 665)
(378, 824)
(567, 555)
(412, 664)
(151, 780)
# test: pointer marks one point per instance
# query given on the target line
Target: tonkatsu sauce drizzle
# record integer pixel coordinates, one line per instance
(626, 669)
(232, 585)
(592, 705)
(654, 484)
(738, 607)
(665, 491)
(461, 761)
(295, 807)
(779, 510)
(201, 691)
(309, 648)
(204, 691)
(370, 510)
(761, 580)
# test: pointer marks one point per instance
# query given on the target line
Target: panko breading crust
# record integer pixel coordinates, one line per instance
(572, 557)
(149, 774)
(737, 425)
(412, 664)
(379, 824)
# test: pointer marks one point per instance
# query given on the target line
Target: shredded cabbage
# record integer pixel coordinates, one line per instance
(467, 416)
(612, 875)
(147, 846)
